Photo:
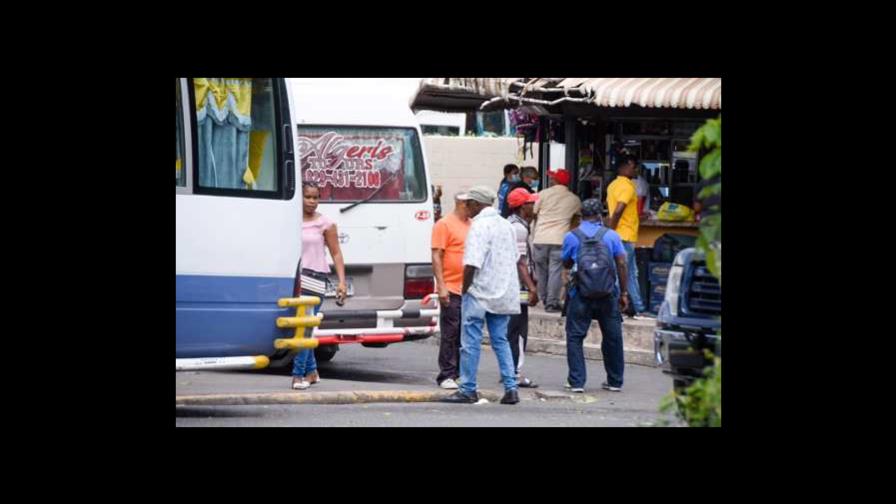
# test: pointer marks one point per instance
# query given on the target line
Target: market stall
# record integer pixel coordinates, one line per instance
(595, 121)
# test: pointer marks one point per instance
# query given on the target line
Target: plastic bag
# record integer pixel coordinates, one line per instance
(674, 212)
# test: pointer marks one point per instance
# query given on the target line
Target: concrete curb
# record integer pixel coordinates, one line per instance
(553, 346)
(635, 356)
(357, 397)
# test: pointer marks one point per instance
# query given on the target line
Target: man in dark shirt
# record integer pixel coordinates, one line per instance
(528, 181)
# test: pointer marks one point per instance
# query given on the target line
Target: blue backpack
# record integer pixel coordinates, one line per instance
(595, 273)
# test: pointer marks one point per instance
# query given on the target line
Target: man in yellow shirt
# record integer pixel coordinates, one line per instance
(622, 203)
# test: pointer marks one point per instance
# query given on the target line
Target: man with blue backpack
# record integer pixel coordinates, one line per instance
(596, 256)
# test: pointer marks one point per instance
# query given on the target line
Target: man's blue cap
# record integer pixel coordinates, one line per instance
(591, 207)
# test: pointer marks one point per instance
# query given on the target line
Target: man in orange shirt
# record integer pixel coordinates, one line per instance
(448, 237)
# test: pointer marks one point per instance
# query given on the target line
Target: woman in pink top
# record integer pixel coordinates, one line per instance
(317, 230)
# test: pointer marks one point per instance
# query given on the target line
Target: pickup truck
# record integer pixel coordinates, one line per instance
(688, 320)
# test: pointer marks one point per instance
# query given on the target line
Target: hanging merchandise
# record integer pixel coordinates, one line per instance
(557, 132)
(526, 126)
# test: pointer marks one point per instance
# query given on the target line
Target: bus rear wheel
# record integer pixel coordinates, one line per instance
(325, 353)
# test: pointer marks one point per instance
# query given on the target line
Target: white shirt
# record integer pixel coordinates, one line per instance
(642, 189)
(491, 247)
(522, 233)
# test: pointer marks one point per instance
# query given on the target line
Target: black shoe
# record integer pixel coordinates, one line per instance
(511, 397)
(460, 397)
(552, 309)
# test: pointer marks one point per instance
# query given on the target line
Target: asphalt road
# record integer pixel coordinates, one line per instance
(412, 367)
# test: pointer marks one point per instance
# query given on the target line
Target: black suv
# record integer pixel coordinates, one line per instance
(688, 320)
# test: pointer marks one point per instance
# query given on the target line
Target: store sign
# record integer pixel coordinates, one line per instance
(332, 160)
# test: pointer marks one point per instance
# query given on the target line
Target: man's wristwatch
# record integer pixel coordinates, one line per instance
(623, 294)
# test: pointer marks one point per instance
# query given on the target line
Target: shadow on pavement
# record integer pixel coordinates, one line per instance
(216, 411)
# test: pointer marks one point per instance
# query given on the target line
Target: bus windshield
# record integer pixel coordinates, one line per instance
(351, 164)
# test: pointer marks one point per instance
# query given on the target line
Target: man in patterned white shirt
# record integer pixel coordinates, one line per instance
(491, 294)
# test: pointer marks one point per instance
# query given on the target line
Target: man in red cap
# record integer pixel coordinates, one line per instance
(554, 213)
(522, 210)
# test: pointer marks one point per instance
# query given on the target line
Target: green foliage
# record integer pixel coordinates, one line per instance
(709, 136)
(701, 403)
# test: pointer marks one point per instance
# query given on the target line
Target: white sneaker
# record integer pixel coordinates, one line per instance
(448, 384)
(607, 386)
(300, 384)
(578, 390)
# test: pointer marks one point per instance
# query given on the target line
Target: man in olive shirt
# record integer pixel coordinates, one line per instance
(622, 203)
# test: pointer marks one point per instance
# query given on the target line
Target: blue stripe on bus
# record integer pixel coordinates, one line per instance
(221, 316)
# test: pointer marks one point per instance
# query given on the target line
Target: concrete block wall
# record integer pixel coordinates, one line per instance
(458, 163)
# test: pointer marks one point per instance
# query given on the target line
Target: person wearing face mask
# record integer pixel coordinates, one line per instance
(511, 176)
(528, 181)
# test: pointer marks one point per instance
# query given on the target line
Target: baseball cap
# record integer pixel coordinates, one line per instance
(591, 207)
(482, 194)
(520, 196)
(561, 175)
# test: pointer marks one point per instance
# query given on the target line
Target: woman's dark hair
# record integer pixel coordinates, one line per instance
(510, 168)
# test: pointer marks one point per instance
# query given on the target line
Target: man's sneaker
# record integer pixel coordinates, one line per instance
(607, 386)
(460, 397)
(448, 384)
(299, 383)
(510, 397)
(552, 309)
(526, 383)
(645, 316)
(578, 390)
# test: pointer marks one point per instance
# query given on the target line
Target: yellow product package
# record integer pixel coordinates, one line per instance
(674, 212)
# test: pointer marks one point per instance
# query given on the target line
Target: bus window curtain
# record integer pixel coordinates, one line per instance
(224, 120)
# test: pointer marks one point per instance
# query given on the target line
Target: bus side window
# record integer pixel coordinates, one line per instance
(181, 177)
(236, 144)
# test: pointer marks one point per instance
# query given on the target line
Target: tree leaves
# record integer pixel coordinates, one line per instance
(711, 164)
(708, 136)
(710, 190)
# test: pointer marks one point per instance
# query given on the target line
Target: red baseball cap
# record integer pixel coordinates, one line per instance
(520, 196)
(560, 175)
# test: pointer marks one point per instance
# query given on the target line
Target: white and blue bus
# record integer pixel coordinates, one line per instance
(243, 145)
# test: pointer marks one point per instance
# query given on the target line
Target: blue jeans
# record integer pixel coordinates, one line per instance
(579, 313)
(304, 362)
(473, 315)
(634, 289)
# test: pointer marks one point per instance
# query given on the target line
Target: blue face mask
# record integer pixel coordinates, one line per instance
(534, 185)
(514, 178)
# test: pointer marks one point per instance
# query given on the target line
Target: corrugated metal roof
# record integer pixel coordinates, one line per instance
(487, 87)
(651, 92)
(686, 93)
(458, 93)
